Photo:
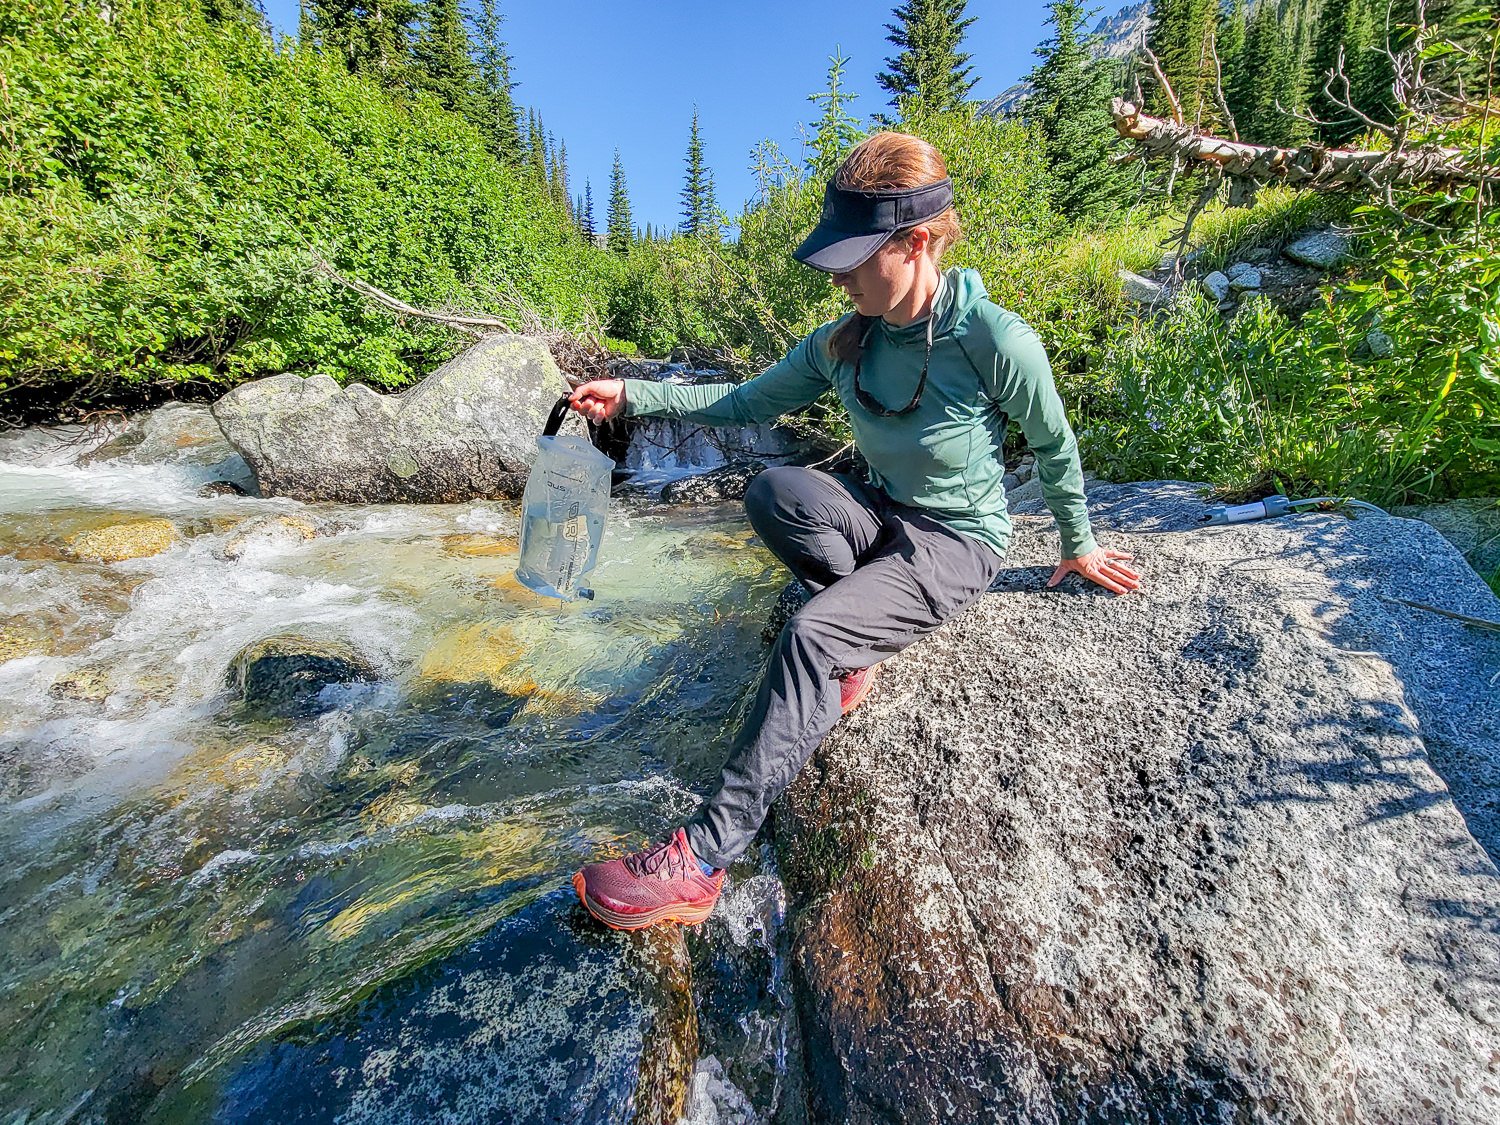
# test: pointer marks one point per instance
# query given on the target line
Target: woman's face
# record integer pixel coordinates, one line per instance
(882, 281)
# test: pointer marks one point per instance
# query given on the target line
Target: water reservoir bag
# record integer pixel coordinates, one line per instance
(562, 512)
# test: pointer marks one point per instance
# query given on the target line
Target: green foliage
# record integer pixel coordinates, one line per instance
(169, 178)
(699, 211)
(496, 109)
(1070, 105)
(371, 37)
(929, 73)
(619, 230)
(1388, 390)
(1182, 38)
(836, 130)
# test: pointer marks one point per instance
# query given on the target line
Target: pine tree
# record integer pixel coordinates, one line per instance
(441, 58)
(1182, 39)
(586, 215)
(619, 231)
(536, 149)
(372, 37)
(1263, 78)
(496, 87)
(698, 205)
(929, 73)
(560, 179)
(1069, 104)
(1230, 37)
(836, 129)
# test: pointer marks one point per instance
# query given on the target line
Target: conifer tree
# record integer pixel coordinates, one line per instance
(1230, 38)
(698, 205)
(496, 87)
(1182, 39)
(1263, 77)
(560, 178)
(619, 230)
(836, 130)
(536, 149)
(372, 37)
(929, 73)
(1070, 104)
(441, 58)
(586, 215)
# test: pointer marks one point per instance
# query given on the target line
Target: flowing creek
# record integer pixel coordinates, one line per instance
(212, 912)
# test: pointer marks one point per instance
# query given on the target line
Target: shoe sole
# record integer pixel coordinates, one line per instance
(687, 915)
(864, 692)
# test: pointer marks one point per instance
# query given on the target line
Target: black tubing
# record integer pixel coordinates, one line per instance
(555, 419)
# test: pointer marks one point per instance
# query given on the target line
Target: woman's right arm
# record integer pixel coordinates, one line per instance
(794, 382)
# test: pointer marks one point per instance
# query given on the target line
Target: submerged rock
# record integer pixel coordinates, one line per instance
(714, 487)
(467, 431)
(1183, 855)
(137, 539)
(286, 673)
(268, 530)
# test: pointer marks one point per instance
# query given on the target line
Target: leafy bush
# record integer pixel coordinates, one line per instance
(170, 177)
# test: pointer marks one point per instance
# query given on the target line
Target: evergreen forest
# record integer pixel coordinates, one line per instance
(183, 189)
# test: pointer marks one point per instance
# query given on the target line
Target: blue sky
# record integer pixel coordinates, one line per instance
(627, 75)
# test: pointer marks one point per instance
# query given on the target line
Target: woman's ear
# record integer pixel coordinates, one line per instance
(918, 239)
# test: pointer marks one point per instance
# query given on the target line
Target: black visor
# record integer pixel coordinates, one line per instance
(855, 224)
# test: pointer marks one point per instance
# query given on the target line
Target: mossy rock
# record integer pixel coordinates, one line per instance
(475, 546)
(86, 685)
(138, 539)
(286, 674)
(20, 637)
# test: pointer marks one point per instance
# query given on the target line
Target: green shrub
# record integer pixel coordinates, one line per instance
(170, 178)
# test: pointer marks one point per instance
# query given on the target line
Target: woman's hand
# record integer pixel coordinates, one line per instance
(599, 399)
(1104, 567)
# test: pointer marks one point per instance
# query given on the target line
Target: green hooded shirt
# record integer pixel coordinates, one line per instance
(945, 456)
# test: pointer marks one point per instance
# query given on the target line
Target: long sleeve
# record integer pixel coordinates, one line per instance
(790, 384)
(1020, 381)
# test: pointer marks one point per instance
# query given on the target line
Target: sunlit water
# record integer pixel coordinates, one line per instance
(211, 913)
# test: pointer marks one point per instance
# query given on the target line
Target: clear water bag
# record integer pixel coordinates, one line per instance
(562, 512)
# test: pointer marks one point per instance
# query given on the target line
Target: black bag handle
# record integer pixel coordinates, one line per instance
(555, 419)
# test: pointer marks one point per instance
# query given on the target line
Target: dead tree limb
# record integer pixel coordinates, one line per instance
(473, 325)
(1249, 167)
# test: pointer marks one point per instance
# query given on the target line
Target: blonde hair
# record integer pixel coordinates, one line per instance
(891, 162)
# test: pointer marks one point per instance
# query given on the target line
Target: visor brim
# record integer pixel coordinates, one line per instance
(837, 251)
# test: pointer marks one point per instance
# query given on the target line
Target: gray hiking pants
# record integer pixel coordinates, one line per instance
(882, 575)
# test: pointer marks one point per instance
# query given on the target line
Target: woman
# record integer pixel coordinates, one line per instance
(929, 370)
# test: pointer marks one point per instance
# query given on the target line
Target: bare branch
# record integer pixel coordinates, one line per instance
(1166, 87)
(473, 325)
(1234, 132)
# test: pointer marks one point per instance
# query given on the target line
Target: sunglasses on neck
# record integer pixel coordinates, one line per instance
(873, 404)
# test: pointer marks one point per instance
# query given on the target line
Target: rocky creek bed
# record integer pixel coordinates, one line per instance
(293, 791)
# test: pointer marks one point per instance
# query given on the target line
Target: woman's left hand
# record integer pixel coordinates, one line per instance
(1102, 566)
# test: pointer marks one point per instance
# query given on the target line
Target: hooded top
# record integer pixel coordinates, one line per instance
(945, 456)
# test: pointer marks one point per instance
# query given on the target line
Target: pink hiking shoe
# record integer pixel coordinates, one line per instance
(854, 687)
(664, 883)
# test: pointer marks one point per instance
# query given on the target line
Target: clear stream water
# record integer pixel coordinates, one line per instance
(209, 913)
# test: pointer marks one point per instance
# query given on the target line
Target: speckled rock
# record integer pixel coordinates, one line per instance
(137, 539)
(1217, 285)
(1199, 853)
(467, 431)
(1319, 249)
(1473, 526)
(1141, 290)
